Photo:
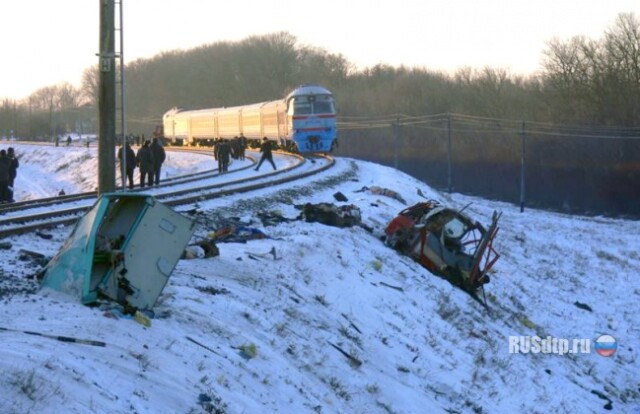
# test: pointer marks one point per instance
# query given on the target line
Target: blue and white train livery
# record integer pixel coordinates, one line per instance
(305, 120)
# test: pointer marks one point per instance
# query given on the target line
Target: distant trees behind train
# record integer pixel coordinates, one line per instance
(581, 81)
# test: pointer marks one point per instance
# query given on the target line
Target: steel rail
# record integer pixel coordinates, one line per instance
(68, 216)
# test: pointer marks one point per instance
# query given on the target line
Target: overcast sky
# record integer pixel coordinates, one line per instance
(46, 42)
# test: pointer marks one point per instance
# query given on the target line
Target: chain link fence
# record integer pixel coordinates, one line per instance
(574, 169)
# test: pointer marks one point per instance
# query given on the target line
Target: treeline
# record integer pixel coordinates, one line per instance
(582, 81)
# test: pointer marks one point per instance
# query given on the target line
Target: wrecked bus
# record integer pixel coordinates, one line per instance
(447, 242)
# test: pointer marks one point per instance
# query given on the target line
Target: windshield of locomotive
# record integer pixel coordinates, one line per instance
(312, 104)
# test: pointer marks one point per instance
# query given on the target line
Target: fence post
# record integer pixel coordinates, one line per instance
(396, 138)
(523, 137)
(449, 185)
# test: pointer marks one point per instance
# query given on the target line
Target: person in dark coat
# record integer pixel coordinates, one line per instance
(13, 172)
(242, 146)
(5, 167)
(265, 149)
(144, 160)
(216, 146)
(130, 163)
(158, 158)
(224, 153)
(234, 147)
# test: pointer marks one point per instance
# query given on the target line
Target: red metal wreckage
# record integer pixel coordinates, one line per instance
(447, 242)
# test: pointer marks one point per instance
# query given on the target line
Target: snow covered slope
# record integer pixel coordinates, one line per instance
(336, 322)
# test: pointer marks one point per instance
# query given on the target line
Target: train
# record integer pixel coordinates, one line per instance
(304, 121)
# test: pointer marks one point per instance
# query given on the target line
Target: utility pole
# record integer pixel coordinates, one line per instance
(523, 158)
(107, 100)
(449, 185)
(123, 126)
(396, 143)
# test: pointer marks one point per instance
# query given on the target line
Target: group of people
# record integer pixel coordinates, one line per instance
(149, 159)
(224, 150)
(151, 156)
(8, 171)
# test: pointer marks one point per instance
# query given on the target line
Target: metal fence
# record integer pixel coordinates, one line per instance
(575, 169)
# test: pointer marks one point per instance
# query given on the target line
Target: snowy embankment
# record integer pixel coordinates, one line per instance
(336, 322)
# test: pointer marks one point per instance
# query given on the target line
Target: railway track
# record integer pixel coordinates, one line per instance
(21, 206)
(42, 214)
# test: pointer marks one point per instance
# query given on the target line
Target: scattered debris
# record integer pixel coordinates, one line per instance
(353, 325)
(204, 248)
(392, 287)
(202, 345)
(212, 405)
(355, 362)
(10, 286)
(213, 291)
(59, 338)
(446, 242)
(271, 218)
(383, 191)
(583, 306)
(609, 405)
(44, 235)
(271, 252)
(330, 214)
(142, 319)
(192, 252)
(340, 197)
(236, 234)
(36, 258)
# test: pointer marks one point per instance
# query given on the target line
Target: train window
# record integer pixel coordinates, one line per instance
(301, 106)
(311, 104)
(323, 108)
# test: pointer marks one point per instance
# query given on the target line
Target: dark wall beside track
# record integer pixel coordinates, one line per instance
(575, 174)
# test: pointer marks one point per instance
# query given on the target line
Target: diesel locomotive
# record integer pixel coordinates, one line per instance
(304, 121)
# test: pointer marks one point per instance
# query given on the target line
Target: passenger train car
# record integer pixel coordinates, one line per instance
(304, 121)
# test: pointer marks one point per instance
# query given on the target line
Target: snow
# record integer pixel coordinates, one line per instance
(245, 332)
(46, 170)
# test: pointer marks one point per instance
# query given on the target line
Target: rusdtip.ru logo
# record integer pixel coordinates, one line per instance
(606, 345)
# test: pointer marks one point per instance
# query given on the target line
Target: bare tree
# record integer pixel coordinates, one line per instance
(622, 56)
(89, 85)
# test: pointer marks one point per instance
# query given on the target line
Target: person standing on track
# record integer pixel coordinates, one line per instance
(242, 147)
(224, 153)
(5, 167)
(13, 172)
(265, 149)
(158, 158)
(130, 163)
(144, 159)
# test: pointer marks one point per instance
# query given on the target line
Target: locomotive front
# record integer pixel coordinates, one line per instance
(311, 112)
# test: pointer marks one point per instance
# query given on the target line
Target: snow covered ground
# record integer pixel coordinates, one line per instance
(247, 332)
(46, 170)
